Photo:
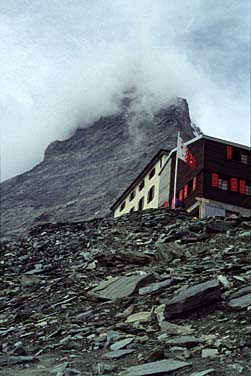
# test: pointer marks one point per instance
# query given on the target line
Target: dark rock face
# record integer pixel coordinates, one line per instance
(194, 297)
(81, 177)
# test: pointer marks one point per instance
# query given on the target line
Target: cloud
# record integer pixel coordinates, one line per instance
(64, 63)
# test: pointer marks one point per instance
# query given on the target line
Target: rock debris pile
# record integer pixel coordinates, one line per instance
(150, 293)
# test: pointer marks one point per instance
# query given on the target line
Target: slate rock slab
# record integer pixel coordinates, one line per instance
(209, 353)
(116, 354)
(203, 373)
(60, 369)
(241, 302)
(120, 287)
(193, 297)
(154, 368)
(186, 341)
(135, 257)
(6, 360)
(241, 292)
(155, 287)
(123, 343)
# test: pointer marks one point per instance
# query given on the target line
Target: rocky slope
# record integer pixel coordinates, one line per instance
(153, 292)
(83, 175)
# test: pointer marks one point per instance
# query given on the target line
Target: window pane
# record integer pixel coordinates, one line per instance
(229, 151)
(248, 190)
(185, 190)
(141, 204)
(181, 194)
(242, 186)
(122, 207)
(152, 173)
(244, 158)
(214, 180)
(194, 183)
(150, 195)
(212, 211)
(132, 195)
(141, 186)
(234, 184)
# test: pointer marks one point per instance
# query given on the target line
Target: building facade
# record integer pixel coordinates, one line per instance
(143, 193)
(220, 184)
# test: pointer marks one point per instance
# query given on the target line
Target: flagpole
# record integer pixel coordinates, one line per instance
(176, 170)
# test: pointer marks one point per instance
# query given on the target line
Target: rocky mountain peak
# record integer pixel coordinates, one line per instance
(81, 176)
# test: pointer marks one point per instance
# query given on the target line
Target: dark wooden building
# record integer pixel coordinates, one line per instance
(220, 184)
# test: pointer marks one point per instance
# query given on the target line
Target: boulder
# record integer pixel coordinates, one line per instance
(192, 298)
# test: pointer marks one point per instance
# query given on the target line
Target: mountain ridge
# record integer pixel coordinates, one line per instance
(80, 177)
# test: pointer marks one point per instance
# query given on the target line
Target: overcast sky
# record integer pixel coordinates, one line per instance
(64, 62)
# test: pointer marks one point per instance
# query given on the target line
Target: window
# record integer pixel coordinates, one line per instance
(244, 158)
(242, 188)
(236, 155)
(223, 184)
(214, 180)
(141, 204)
(248, 190)
(132, 195)
(181, 194)
(150, 194)
(194, 187)
(152, 173)
(132, 209)
(122, 206)
(219, 181)
(186, 191)
(212, 211)
(229, 152)
(141, 186)
(234, 184)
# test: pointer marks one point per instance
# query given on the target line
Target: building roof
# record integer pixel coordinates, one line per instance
(205, 137)
(218, 140)
(140, 176)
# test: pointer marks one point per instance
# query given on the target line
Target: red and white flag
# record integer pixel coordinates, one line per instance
(185, 154)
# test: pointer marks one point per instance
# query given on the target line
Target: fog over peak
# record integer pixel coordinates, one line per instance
(65, 63)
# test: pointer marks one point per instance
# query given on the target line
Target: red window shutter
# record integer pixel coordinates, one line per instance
(242, 186)
(234, 184)
(214, 180)
(229, 151)
(185, 191)
(181, 194)
(194, 184)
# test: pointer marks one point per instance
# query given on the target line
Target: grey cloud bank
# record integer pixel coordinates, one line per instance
(64, 63)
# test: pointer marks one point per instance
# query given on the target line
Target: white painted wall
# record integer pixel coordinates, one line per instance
(154, 181)
(164, 185)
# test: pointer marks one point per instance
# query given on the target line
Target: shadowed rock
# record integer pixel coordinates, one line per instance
(193, 297)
